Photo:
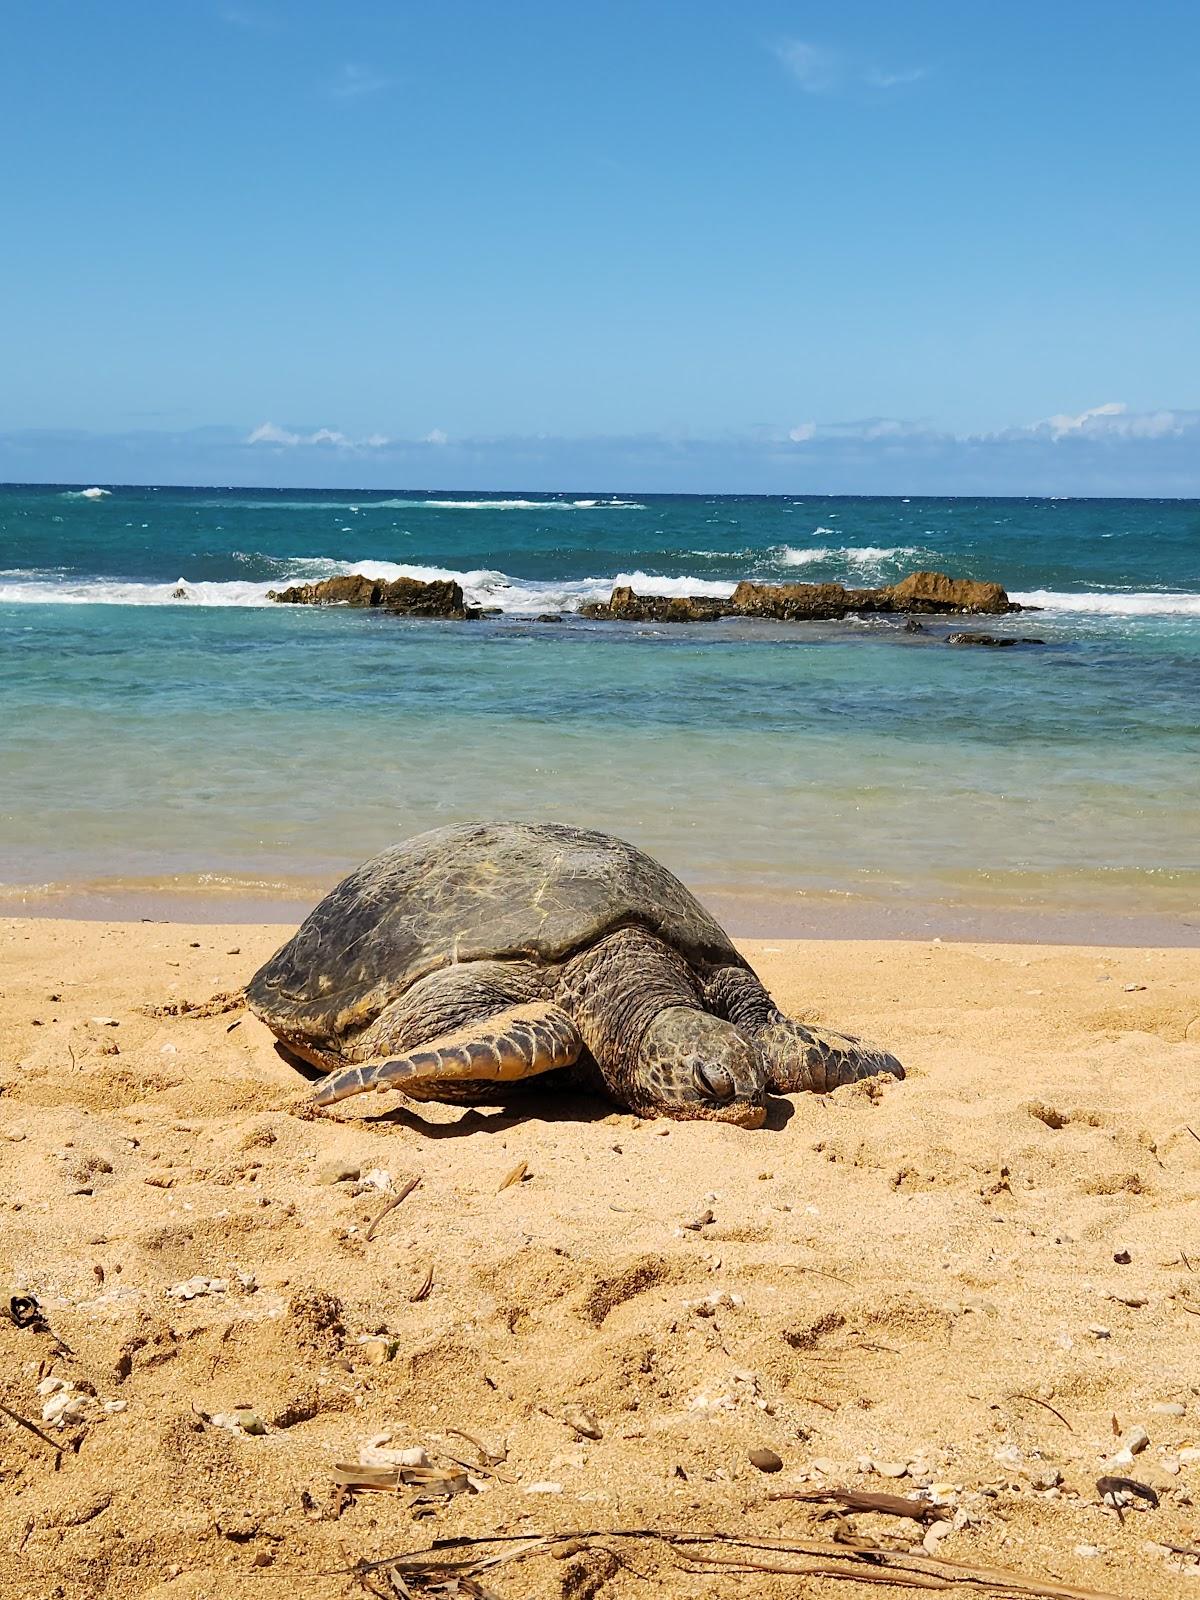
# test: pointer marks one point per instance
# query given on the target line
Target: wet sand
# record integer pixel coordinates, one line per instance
(928, 1277)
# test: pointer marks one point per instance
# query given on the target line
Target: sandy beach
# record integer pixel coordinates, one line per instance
(984, 1279)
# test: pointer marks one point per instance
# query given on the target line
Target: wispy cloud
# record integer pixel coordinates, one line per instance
(269, 433)
(253, 19)
(878, 79)
(1114, 420)
(821, 70)
(436, 436)
(354, 81)
(816, 70)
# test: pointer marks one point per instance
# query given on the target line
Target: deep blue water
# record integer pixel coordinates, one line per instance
(163, 722)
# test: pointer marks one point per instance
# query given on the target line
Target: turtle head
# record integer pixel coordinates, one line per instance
(693, 1065)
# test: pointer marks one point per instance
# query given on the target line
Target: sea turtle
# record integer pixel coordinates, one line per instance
(478, 955)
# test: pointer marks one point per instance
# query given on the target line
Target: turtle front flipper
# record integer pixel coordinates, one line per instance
(517, 1043)
(799, 1057)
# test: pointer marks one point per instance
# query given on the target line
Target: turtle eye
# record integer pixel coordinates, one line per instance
(714, 1082)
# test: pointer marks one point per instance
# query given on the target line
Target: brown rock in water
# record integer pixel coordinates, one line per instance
(923, 592)
(990, 641)
(935, 591)
(625, 606)
(406, 596)
(799, 602)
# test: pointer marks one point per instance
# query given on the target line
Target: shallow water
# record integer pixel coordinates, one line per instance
(215, 742)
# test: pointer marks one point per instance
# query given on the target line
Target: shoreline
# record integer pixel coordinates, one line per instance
(823, 916)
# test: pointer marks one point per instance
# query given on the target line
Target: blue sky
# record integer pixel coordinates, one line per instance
(850, 246)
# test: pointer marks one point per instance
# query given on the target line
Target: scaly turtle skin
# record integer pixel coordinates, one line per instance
(477, 956)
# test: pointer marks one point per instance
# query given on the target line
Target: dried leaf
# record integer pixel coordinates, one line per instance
(515, 1176)
(432, 1480)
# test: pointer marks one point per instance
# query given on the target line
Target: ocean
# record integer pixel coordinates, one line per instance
(171, 738)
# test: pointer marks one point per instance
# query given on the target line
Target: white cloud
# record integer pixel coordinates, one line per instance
(1059, 426)
(878, 79)
(436, 436)
(354, 81)
(1113, 420)
(268, 433)
(819, 70)
(802, 432)
(816, 70)
(252, 18)
(331, 438)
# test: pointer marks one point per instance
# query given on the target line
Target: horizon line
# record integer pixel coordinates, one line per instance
(600, 494)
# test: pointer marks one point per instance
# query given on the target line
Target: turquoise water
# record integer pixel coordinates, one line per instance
(210, 742)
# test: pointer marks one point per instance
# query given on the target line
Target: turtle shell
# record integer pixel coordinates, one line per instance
(483, 891)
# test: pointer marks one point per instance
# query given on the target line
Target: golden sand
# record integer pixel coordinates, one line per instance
(978, 1278)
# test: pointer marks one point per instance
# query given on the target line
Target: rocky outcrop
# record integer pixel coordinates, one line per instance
(926, 593)
(796, 602)
(934, 591)
(407, 597)
(990, 641)
(625, 606)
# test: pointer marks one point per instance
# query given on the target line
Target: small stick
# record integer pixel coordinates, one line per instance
(37, 1432)
(1046, 1406)
(821, 1273)
(426, 1285)
(891, 1505)
(390, 1204)
(489, 1458)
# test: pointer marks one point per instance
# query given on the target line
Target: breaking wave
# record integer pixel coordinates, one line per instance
(1151, 603)
(481, 587)
(859, 560)
(396, 503)
(93, 493)
(484, 586)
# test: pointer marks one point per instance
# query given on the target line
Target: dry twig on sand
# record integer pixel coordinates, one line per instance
(891, 1505)
(390, 1204)
(29, 1426)
(464, 1557)
(1046, 1406)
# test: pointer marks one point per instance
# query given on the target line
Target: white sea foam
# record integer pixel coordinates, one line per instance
(489, 587)
(864, 555)
(401, 504)
(86, 494)
(1151, 603)
(803, 558)
(481, 587)
(116, 592)
(529, 596)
